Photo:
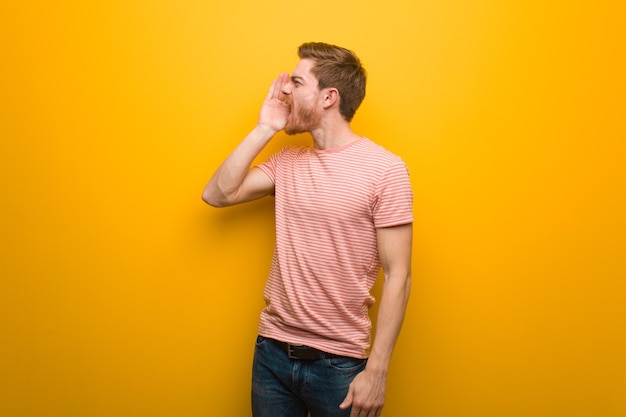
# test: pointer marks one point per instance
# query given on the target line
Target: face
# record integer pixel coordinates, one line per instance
(302, 94)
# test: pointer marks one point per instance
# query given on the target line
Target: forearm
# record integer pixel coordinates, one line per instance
(391, 311)
(366, 394)
(225, 183)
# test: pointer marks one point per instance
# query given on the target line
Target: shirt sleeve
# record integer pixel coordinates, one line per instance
(270, 166)
(393, 197)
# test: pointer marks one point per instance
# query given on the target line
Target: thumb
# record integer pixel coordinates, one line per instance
(347, 402)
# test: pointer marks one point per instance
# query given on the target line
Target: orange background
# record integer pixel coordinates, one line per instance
(122, 294)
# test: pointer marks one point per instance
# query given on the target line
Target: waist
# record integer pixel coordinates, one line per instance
(302, 352)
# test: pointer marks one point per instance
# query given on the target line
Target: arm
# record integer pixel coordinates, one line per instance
(367, 391)
(234, 182)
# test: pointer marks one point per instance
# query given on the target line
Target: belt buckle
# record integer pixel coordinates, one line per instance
(290, 351)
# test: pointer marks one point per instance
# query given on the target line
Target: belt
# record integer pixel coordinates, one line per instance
(302, 352)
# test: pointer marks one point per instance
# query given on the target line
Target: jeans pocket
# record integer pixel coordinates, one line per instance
(260, 340)
(347, 364)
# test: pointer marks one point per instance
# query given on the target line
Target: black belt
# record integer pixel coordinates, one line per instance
(302, 352)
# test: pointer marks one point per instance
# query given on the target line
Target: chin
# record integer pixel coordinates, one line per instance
(293, 130)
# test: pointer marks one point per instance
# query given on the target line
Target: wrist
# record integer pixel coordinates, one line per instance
(265, 130)
(376, 368)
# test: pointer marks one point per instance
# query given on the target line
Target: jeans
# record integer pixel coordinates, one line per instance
(285, 387)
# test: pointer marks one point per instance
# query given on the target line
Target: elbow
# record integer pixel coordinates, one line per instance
(212, 200)
(407, 286)
(400, 284)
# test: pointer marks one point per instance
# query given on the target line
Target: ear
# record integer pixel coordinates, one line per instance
(330, 96)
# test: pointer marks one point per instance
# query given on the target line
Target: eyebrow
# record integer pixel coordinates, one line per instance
(297, 78)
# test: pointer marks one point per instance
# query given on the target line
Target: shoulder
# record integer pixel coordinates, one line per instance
(375, 153)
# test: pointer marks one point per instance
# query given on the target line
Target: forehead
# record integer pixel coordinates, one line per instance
(303, 70)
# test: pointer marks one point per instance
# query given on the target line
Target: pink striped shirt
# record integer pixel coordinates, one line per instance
(328, 207)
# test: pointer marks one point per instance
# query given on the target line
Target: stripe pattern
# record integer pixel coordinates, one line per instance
(329, 204)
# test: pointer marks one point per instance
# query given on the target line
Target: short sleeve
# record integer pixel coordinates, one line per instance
(393, 197)
(270, 166)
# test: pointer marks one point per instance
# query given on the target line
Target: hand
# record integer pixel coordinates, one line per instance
(275, 111)
(366, 395)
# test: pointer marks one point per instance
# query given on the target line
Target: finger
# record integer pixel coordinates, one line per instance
(375, 411)
(358, 412)
(282, 80)
(277, 86)
(365, 412)
(272, 89)
(347, 402)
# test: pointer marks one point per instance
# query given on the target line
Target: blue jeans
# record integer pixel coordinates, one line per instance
(285, 387)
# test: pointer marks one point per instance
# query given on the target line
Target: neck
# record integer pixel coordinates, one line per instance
(333, 135)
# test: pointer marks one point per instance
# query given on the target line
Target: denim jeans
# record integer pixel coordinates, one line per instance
(285, 387)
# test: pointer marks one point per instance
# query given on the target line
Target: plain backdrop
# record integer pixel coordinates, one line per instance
(122, 294)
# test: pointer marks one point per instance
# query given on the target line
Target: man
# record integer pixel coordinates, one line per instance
(343, 210)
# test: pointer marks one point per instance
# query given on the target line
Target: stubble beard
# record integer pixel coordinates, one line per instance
(304, 120)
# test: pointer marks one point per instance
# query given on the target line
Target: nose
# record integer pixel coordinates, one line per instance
(286, 88)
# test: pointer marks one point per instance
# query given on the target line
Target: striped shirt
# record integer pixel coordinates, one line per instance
(329, 204)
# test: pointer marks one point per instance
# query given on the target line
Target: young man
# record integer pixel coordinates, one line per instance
(343, 210)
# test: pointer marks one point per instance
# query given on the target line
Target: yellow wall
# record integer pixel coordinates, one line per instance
(122, 294)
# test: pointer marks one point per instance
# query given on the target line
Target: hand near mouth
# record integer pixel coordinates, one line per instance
(275, 110)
